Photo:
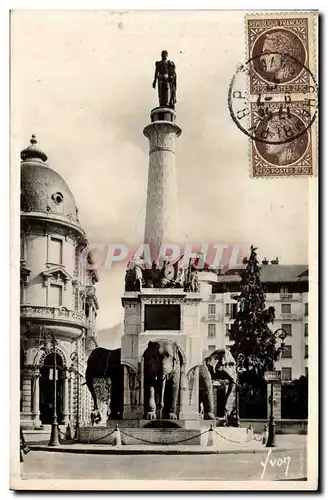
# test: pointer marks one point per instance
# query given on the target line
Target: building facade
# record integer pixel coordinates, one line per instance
(57, 295)
(286, 289)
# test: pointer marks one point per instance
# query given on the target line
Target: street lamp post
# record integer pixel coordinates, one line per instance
(54, 437)
(75, 368)
(78, 405)
(272, 377)
(239, 369)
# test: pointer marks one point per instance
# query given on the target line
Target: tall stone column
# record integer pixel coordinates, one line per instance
(162, 211)
(65, 412)
(36, 401)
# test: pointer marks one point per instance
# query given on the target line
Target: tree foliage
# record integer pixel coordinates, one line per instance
(250, 331)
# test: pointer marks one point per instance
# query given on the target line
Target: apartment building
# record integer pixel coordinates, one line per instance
(57, 297)
(286, 289)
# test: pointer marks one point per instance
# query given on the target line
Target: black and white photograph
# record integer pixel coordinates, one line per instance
(164, 228)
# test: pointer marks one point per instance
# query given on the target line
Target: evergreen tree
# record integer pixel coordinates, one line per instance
(250, 332)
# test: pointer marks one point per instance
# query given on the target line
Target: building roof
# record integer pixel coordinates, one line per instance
(269, 273)
(43, 189)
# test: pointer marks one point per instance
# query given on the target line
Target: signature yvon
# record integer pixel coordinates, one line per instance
(275, 462)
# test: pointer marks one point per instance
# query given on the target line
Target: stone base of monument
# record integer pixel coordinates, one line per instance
(170, 432)
(163, 423)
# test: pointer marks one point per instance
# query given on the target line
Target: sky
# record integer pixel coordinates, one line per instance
(81, 81)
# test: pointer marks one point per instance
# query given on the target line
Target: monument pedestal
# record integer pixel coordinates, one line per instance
(138, 333)
(187, 432)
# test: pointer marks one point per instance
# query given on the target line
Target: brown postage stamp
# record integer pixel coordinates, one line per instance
(273, 95)
(283, 146)
(281, 48)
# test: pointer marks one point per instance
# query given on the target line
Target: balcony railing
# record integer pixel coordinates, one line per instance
(290, 316)
(286, 296)
(54, 313)
(212, 317)
(283, 297)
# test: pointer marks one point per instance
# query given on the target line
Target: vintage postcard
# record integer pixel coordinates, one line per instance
(164, 228)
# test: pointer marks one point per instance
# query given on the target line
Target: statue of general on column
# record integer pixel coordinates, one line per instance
(166, 79)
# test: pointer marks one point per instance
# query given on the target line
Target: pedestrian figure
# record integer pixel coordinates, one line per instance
(24, 449)
(265, 434)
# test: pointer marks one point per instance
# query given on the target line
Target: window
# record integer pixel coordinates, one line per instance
(231, 310)
(211, 348)
(306, 330)
(287, 352)
(285, 308)
(21, 292)
(211, 331)
(58, 198)
(306, 354)
(286, 374)
(306, 309)
(211, 308)
(227, 328)
(287, 328)
(55, 255)
(55, 295)
(284, 289)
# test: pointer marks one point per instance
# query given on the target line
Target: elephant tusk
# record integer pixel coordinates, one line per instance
(162, 395)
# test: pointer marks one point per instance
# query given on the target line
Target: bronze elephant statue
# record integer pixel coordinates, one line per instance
(162, 369)
(219, 365)
(106, 363)
(162, 376)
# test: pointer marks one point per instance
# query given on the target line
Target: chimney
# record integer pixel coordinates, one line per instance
(265, 262)
(275, 261)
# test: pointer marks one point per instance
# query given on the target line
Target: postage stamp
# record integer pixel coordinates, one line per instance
(273, 96)
(275, 155)
(285, 44)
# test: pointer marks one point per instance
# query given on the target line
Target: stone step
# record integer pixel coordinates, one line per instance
(40, 436)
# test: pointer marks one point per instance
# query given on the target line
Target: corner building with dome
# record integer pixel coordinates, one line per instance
(58, 303)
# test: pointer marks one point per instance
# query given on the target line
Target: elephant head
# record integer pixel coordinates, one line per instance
(161, 357)
(222, 365)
